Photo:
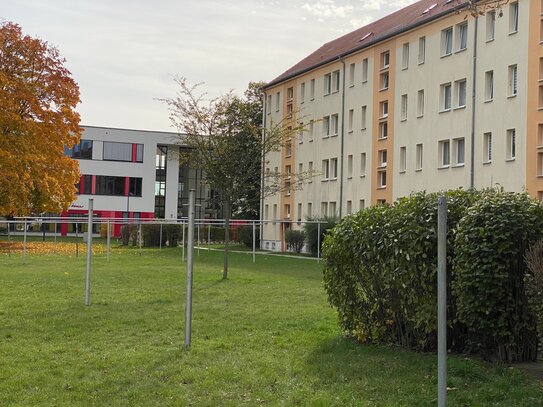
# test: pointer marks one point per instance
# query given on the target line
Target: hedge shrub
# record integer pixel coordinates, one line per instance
(381, 266)
(245, 236)
(491, 243)
(312, 231)
(295, 240)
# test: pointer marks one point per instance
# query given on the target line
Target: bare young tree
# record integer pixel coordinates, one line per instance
(224, 136)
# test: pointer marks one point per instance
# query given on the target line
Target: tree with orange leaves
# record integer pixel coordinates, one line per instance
(37, 120)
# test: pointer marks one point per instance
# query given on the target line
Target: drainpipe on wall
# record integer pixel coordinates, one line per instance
(342, 140)
(263, 165)
(473, 105)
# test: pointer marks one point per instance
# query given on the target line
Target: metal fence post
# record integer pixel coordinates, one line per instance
(198, 239)
(24, 241)
(209, 237)
(76, 240)
(183, 243)
(89, 253)
(160, 243)
(318, 241)
(108, 238)
(9, 238)
(190, 259)
(140, 236)
(55, 244)
(442, 301)
(254, 241)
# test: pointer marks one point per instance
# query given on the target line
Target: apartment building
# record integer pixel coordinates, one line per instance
(427, 98)
(135, 174)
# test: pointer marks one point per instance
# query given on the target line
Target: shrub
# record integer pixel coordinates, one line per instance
(490, 267)
(129, 233)
(295, 240)
(534, 286)
(172, 234)
(151, 236)
(245, 236)
(380, 270)
(312, 231)
(217, 234)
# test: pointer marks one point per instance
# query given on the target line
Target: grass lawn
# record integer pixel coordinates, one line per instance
(264, 337)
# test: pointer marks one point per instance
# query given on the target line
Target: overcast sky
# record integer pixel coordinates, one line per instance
(125, 53)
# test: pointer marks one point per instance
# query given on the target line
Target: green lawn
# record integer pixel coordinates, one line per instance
(264, 337)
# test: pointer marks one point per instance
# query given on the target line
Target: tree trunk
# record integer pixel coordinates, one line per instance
(226, 239)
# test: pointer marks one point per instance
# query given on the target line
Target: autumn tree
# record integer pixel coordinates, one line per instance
(37, 120)
(225, 138)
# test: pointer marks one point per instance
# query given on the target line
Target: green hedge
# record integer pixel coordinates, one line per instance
(381, 265)
(312, 231)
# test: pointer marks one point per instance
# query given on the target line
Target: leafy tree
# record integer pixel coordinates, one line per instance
(37, 119)
(225, 138)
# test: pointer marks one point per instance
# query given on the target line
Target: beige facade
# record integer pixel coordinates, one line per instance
(401, 115)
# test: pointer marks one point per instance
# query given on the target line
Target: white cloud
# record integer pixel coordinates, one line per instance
(327, 8)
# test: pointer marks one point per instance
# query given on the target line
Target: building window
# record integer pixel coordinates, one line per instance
(513, 80)
(405, 56)
(446, 97)
(287, 211)
(418, 158)
(266, 211)
(269, 105)
(277, 101)
(309, 209)
(351, 120)
(403, 112)
(333, 168)
(487, 148)
(511, 144)
(490, 25)
(85, 186)
(312, 89)
(290, 94)
(382, 179)
(299, 217)
(113, 151)
(326, 126)
(362, 204)
(287, 188)
(83, 150)
(335, 81)
(459, 151)
(446, 41)
(274, 211)
(420, 103)
(489, 86)
(352, 68)
(324, 208)
(311, 130)
(334, 123)
(383, 109)
(310, 170)
(349, 166)
(461, 93)
(332, 209)
(349, 207)
(513, 18)
(134, 185)
(288, 148)
(444, 153)
(301, 133)
(327, 84)
(403, 159)
(382, 157)
(383, 130)
(363, 112)
(462, 35)
(365, 70)
(302, 92)
(422, 50)
(384, 80)
(325, 170)
(363, 164)
(385, 60)
(107, 185)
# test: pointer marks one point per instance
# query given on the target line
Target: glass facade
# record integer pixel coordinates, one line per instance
(160, 181)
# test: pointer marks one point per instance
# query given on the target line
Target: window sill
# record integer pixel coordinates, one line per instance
(421, 62)
(363, 176)
(418, 170)
(420, 116)
(351, 85)
(382, 187)
(310, 140)
(382, 167)
(302, 102)
(488, 100)
(312, 99)
(384, 117)
(335, 91)
(513, 32)
(459, 107)
(460, 50)
(325, 137)
(350, 177)
(350, 131)
(334, 135)
(444, 167)
(446, 55)
(508, 160)
(403, 120)
(487, 162)
(402, 172)
(383, 89)
(384, 68)
(512, 96)
(405, 68)
(324, 180)
(539, 147)
(458, 165)
(363, 128)
(381, 138)
(333, 179)
(489, 40)
(326, 94)
(363, 82)
(444, 111)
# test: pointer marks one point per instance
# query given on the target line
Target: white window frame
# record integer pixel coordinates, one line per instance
(489, 86)
(511, 144)
(446, 97)
(487, 148)
(490, 26)
(365, 68)
(446, 41)
(362, 164)
(459, 151)
(403, 107)
(513, 80)
(403, 159)
(461, 88)
(405, 56)
(513, 17)
(422, 50)
(462, 36)
(419, 157)
(420, 103)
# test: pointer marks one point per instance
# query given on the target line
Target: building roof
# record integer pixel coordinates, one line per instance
(393, 24)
